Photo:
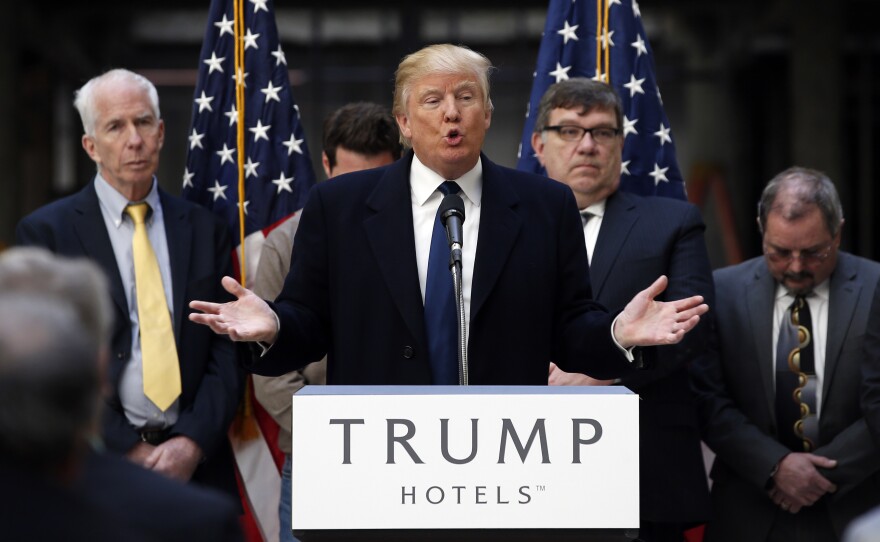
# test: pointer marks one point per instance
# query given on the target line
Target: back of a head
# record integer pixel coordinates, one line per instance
(49, 382)
(362, 127)
(578, 93)
(76, 280)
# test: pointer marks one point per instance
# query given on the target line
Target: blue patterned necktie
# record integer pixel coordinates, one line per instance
(440, 314)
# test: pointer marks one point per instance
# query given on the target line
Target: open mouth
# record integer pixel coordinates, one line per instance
(453, 137)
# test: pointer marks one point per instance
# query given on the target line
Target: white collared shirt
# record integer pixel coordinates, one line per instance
(592, 226)
(818, 302)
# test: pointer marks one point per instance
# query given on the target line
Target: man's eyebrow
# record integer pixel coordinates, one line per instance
(428, 91)
(465, 85)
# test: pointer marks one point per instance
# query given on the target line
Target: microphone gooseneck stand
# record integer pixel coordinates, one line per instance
(462, 327)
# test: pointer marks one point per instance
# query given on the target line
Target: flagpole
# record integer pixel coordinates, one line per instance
(238, 16)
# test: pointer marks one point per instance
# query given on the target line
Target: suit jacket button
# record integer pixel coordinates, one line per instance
(408, 352)
(120, 355)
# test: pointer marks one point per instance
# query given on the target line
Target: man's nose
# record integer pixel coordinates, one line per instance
(451, 111)
(587, 144)
(133, 136)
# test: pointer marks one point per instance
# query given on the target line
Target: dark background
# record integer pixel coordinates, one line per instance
(750, 87)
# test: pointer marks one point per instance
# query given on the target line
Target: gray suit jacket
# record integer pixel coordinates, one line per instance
(734, 384)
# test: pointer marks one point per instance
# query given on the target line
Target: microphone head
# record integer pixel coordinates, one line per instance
(452, 205)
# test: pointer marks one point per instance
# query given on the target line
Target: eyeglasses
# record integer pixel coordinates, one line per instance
(601, 135)
(807, 257)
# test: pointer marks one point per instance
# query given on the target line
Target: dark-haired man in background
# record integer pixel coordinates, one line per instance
(357, 136)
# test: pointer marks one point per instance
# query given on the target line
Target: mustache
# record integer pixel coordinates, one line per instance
(798, 276)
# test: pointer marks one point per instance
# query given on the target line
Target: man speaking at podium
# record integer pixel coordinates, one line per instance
(361, 287)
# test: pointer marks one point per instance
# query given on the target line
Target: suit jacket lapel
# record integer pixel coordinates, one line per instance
(843, 296)
(390, 233)
(616, 225)
(179, 235)
(760, 290)
(92, 233)
(499, 225)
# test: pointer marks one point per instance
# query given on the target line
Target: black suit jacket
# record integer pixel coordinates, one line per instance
(736, 395)
(641, 239)
(154, 506)
(353, 290)
(200, 254)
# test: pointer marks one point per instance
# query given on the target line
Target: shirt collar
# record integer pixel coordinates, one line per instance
(116, 203)
(424, 181)
(596, 209)
(821, 291)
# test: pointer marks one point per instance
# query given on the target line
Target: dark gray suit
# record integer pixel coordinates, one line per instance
(735, 388)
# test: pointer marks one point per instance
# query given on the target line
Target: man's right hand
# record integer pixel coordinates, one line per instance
(246, 319)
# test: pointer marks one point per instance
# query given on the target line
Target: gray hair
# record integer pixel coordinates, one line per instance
(78, 281)
(84, 98)
(807, 188)
(49, 381)
(578, 92)
(443, 58)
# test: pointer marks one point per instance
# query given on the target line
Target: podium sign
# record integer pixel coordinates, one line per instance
(476, 457)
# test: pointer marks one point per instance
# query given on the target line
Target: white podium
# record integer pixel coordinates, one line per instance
(465, 463)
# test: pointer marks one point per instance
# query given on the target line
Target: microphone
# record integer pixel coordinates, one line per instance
(452, 216)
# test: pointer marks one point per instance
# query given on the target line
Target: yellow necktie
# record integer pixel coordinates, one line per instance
(158, 350)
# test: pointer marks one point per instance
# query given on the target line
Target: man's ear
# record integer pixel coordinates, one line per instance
(326, 163)
(88, 144)
(538, 146)
(161, 133)
(403, 125)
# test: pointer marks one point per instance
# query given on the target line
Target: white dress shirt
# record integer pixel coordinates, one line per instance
(592, 218)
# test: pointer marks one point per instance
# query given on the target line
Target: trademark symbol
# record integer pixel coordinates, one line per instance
(540, 488)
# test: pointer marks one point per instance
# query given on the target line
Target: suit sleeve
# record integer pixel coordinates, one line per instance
(689, 273)
(870, 368)
(29, 232)
(738, 442)
(303, 304)
(583, 341)
(206, 418)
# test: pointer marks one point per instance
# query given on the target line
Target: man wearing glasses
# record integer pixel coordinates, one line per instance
(629, 241)
(779, 391)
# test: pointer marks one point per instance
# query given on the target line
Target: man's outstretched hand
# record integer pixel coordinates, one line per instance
(248, 318)
(646, 322)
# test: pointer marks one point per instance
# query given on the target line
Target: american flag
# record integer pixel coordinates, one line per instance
(277, 170)
(277, 175)
(576, 35)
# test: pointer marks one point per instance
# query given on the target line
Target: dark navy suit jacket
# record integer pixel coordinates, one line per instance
(200, 254)
(641, 239)
(353, 290)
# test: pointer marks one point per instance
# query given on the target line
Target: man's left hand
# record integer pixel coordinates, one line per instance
(558, 377)
(176, 458)
(647, 322)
